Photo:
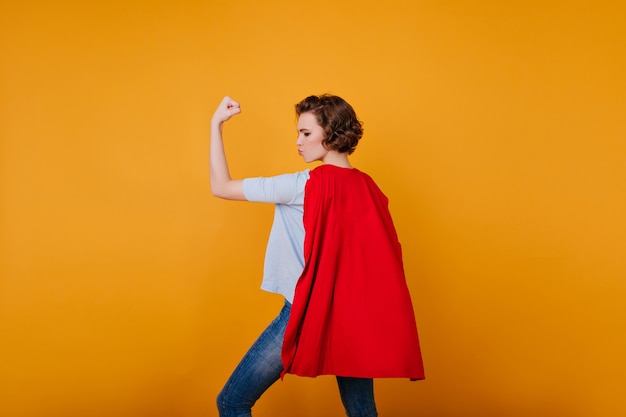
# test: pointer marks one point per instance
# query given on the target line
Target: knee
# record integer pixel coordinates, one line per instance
(223, 404)
(220, 403)
(229, 406)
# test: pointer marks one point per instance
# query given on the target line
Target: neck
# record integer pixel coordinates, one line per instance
(338, 159)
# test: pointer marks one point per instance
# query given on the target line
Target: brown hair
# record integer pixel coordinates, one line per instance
(337, 118)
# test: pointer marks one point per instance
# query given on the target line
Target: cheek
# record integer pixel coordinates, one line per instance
(318, 146)
(319, 140)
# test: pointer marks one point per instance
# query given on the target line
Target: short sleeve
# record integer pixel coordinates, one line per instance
(280, 189)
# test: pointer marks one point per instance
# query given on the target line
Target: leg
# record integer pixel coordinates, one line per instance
(357, 395)
(258, 370)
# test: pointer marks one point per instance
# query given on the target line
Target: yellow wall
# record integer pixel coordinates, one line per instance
(496, 128)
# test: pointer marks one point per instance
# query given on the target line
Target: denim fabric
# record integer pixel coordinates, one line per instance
(261, 367)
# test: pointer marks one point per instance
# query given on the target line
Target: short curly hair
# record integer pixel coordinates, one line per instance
(338, 119)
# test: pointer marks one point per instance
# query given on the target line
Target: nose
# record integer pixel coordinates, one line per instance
(298, 141)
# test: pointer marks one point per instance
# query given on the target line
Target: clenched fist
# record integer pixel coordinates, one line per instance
(226, 109)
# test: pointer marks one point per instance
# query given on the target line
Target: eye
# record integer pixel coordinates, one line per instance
(306, 134)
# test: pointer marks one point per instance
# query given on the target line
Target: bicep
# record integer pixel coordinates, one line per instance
(231, 190)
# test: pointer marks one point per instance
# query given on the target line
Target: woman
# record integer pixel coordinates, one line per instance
(333, 254)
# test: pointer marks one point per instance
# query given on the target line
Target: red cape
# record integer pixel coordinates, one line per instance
(352, 313)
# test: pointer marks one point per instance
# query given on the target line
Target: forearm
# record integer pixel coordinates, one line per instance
(217, 158)
(222, 185)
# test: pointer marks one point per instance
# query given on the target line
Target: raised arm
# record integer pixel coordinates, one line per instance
(222, 185)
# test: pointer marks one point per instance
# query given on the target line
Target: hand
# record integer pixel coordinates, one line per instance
(226, 109)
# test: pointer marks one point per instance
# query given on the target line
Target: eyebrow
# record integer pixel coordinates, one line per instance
(303, 129)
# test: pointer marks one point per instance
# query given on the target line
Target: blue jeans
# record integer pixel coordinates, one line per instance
(261, 367)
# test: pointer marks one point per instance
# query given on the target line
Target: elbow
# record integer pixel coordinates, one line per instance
(218, 192)
(217, 187)
(219, 195)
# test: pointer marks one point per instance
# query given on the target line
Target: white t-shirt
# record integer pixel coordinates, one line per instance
(284, 256)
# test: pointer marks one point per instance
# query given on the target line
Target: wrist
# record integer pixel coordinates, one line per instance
(216, 123)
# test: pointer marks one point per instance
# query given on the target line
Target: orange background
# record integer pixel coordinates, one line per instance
(496, 128)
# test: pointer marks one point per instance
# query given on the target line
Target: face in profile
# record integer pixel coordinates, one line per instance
(310, 138)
